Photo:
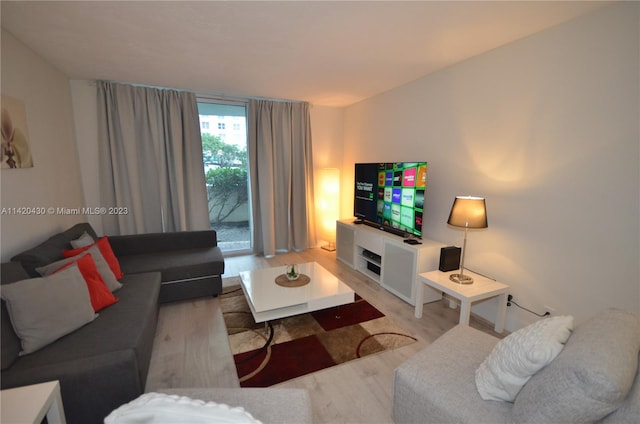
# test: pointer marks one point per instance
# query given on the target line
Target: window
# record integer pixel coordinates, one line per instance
(226, 173)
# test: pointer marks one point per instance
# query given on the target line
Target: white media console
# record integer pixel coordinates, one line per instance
(386, 259)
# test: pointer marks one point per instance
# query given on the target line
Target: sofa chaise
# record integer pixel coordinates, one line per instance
(104, 363)
(594, 378)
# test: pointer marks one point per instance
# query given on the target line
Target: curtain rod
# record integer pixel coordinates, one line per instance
(223, 97)
(207, 96)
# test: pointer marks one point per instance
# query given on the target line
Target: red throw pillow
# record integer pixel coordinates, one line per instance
(107, 253)
(99, 293)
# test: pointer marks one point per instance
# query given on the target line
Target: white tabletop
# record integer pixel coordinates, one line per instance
(269, 300)
(30, 404)
(481, 288)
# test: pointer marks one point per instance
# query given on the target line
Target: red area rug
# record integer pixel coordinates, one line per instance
(267, 354)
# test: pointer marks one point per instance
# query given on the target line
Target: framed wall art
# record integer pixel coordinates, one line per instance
(15, 151)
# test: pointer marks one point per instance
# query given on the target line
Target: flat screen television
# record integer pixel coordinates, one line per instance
(390, 196)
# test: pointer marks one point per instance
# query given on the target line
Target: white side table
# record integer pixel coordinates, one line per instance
(482, 288)
(30, 404)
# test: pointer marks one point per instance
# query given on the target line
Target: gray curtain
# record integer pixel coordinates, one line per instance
(281, 176)
(150, 154)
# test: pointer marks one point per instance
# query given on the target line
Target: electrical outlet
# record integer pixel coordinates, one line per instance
(549, 309)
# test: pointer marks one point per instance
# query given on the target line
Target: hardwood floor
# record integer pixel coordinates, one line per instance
(191, 347)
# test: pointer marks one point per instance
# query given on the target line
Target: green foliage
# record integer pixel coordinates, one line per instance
(227, 184)
(211, 144)
(226, 180)
(216, 151)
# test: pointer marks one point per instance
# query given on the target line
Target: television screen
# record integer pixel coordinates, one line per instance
(391, 194)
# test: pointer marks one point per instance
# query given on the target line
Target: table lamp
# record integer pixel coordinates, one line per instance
(467, 212)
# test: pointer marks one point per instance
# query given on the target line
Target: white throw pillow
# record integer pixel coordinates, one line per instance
(160, 408)
(517, 357)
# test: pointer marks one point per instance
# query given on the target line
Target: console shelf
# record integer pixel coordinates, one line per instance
(386, 259)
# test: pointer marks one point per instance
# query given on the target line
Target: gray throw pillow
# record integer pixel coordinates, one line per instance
(44, 309)
(102, 265)
(84, 240)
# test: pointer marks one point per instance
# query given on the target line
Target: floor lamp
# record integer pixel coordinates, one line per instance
(329, 205)
(467, 212)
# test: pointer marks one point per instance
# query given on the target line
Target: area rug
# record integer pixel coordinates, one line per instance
(269, 353)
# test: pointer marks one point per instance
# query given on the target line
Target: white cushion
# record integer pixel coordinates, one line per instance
(519, 356)
(160, 408)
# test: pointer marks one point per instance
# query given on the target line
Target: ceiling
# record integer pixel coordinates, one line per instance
(324, 52)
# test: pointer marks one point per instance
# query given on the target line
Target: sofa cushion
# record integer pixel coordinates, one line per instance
(103, 267)
(178, 264)
(519, 356)
(10, 343)
(590, 378)
(136, 244)
(84, 240)
(100, 295)
(629, 411)
(107, 253)
(10, 272)
(44, 309)
(51, 249)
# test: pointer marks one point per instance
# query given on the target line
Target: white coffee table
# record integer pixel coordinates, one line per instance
(269, 301)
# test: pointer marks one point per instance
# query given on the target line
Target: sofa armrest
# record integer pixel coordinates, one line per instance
(268, 405)
(437, 384)
(137, 244)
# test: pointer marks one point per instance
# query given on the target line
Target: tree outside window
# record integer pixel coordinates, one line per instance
(226, 177)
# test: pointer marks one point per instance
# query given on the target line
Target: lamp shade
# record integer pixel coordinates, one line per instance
(327, 197)
(468, 212)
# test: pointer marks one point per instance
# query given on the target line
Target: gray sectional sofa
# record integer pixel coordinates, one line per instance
(595, 378)
(104, 364)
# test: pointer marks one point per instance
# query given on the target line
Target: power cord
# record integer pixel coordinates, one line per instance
(510, 301)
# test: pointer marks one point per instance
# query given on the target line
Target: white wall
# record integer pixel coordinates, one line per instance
(327, 130)
(54, 181)
(547, 129)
